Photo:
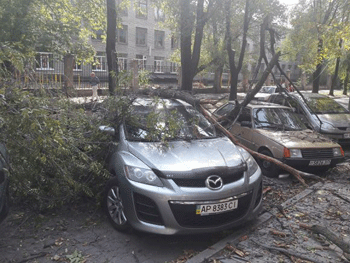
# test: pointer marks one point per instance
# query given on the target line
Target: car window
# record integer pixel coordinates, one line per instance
(245, 115)
(325, 105)
(159, 123)
(277, 118)
(225, 109)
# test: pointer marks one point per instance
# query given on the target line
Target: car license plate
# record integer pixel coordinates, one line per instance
(320, 162)
(346, 135)
(218, 208)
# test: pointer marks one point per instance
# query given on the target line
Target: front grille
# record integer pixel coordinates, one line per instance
(317, 153)
(147, 210)
(227, 179)
(342, 128)
(185, 214)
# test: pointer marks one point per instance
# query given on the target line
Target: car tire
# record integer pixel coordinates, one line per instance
(268, 169)
(113, 205)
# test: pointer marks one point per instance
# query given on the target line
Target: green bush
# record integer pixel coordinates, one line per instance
(56, 150)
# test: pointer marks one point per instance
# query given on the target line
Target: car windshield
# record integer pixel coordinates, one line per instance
(162, 122)
(277, 118)
(268, 89)
(324, 105)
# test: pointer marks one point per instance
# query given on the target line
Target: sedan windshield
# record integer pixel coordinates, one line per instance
(277, 118)
(162, 122)
(324, 105)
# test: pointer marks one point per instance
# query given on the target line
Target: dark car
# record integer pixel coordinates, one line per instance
(320, 113)
(4, 183)
(196, 181)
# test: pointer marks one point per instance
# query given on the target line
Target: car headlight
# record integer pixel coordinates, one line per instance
(142, 175)
(292, 153)
(327, 127)
(338, 152)
(252, 166)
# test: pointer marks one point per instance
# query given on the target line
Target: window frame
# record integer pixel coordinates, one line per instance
(40, 62)
(159, 35)
(138, 31)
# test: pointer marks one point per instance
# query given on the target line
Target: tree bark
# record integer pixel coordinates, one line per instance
(235, 70)
(68, 62)
(110, 46)
(335, 76)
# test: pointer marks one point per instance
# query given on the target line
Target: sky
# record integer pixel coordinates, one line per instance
(289, 3)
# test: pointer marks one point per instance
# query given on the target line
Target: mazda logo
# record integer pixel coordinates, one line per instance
(214, 182)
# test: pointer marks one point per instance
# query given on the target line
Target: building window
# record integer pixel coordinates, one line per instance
(122, 61)
(141, 61)
(174, 42)
(173, 67)
(159, 39)
(122, 9)
(159, 14)
(158, 64)
(122, 34)
(100, 62)
(77, 65)
(142, 9)
(141, 36)
(44, 61)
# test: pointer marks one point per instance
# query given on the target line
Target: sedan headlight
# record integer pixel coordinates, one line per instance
(337, 152)
(292, 153)
(252, 166)
(141, 175)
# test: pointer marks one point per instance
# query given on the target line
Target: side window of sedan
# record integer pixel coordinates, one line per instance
(245, 115)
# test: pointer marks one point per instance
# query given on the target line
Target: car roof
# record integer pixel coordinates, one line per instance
(254, 104)
(147, 102)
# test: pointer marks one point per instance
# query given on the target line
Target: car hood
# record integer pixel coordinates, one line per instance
(182, 156)
(298, 139)
(337, 120)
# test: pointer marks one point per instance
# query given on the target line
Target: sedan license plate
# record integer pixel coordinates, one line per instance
(346, 135)
(217, 208)
(320, 163)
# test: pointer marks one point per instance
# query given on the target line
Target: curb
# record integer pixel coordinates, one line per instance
(217, 247)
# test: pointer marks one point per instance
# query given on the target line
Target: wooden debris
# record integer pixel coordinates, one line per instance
(326, 232)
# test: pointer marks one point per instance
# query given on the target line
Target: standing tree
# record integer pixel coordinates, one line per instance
(315, 34)
(110, 46)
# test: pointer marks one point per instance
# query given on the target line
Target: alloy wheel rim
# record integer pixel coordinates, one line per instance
(115, 206)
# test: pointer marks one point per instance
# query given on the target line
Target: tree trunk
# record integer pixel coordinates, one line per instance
(110, 46)
(68, 62)
(233, 69)
(317, 73)
(346, 81)
(335, 76)
(186, 26)
(217, 79)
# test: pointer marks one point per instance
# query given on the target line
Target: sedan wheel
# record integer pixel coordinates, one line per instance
(114, 207)
(268, 169)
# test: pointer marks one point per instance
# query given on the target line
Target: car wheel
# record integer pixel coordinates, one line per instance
(268, 169)
(113, 205)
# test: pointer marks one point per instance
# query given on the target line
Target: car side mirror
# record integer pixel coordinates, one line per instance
(108, 130)
(246, 124)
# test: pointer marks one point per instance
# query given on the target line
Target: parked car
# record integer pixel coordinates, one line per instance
(4, 183)
(276, 131)
(265, 92)
(197, 181)
(320, 113)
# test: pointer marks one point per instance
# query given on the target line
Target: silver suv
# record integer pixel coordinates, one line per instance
(194, 182)
(320, 113)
